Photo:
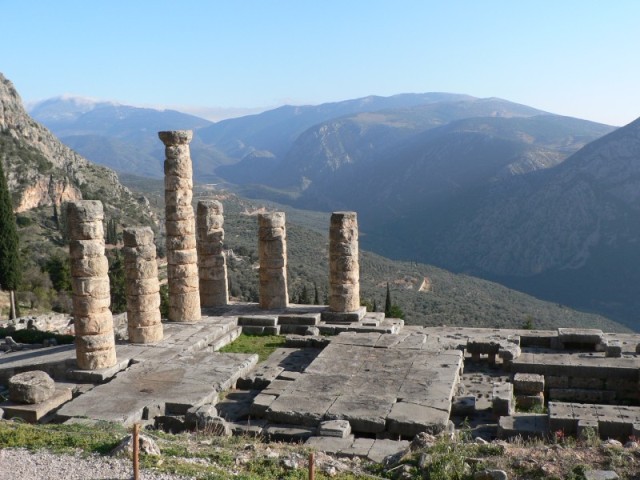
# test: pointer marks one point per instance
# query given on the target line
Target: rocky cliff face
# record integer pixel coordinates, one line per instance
(42, 171)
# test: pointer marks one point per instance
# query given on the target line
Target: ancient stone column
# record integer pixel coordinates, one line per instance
(344, 266)
(212, 266)
(182, 258)
(95, 343)
(272, 251)
(141, 286)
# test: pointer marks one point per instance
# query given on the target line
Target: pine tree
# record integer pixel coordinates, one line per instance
(316, 296)
(10, 272)
(304, 299)
(387, 303)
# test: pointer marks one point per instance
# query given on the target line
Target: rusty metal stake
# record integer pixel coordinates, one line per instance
(136, 451)
(312, 467)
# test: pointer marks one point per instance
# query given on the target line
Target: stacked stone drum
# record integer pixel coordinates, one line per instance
(272, 251)
(344, 266)
(182, 257)
(95, 343)
(212, 266)
(142, 287)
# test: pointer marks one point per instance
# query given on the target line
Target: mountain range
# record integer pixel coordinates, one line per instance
(43, 172)
(540, 202)
(33, 156)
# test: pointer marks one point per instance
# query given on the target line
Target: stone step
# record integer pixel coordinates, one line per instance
(258, 321)
(258, 330)
(306, 319)
(226, 338)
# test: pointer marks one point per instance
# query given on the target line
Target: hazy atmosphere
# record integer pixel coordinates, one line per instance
(576, 58)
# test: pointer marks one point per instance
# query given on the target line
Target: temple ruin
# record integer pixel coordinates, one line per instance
(348, 381)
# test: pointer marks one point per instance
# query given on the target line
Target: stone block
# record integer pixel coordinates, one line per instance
(525, 425)
(408, 419)
(335, 428)
(260, 405)
(307, 319)
(528, 402)
(464, 406)
(260, 321)
(288, 433)
(343, 317)
(366, 413)
(384, 448)
(582, 395)
(502, 399)
(601, 475)
(32, 413)
(79, 249)
(31, 387)
(587, 428)
(528, 383)
(580, 336)
(613, 349)
(330, 445)
(299, 408)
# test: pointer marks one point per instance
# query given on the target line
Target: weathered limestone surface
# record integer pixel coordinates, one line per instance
(182, 258)
(31, 387)
(344, 266)
(272, 251)
(142, 287)
(212, 265)
(95, 343)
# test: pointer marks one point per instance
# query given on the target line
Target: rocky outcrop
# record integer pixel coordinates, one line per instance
(42, 171)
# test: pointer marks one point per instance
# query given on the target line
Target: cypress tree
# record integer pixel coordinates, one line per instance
(9, 244)
(316, 296)
(387, 303)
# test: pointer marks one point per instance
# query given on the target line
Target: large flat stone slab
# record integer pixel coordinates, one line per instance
(32, 413)
(168, 388)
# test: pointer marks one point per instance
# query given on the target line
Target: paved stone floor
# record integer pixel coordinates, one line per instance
(387, 380)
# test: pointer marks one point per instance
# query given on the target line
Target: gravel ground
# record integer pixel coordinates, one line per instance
(20, 464)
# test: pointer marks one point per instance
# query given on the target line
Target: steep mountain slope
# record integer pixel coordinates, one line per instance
(569, 233)
(119, 136)
(41, 171)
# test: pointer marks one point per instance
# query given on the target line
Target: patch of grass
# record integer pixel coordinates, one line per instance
(263, 345)
(101, 438)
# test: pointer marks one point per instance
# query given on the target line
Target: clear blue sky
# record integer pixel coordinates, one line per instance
(579, 58)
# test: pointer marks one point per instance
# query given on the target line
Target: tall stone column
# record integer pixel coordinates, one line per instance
(272, 250)
(182, 258)
(212, 266)
(142, 286)
(95, 342)
(344, 265)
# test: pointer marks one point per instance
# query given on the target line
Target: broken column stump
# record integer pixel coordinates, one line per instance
(272, 251)
(95, 342)
(182, 257)
(31, 387)
(212, 267)
(141, 286)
